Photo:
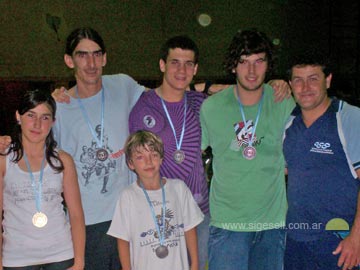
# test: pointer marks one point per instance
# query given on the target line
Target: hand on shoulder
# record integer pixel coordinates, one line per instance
(61, 95)
(4, 143)
(281, 88)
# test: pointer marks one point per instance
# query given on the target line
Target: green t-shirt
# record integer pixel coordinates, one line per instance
(246, 195)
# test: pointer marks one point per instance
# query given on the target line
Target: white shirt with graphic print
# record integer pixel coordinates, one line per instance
(133, 222)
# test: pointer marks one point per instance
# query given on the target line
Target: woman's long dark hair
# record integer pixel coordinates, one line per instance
(30, 100)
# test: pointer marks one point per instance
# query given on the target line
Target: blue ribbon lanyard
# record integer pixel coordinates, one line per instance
(87, 119)
(37, 191)
(178, 143)
(158, 229)
(243, 115)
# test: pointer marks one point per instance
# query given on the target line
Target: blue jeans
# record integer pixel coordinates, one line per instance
(203, 237)
(229, 250)
(48, 266)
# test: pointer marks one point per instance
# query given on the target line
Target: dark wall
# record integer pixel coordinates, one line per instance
(334, 27)
(133, 30)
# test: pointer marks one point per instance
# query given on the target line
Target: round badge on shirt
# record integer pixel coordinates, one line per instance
(149, 121)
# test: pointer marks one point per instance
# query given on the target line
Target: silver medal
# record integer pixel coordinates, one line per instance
(249, 152)
(102, 154)
(179, 156)
(161, 251)
(39, 219)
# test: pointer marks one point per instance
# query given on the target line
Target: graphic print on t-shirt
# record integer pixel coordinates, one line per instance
(171, 231)
(98, 162)
(243, 132)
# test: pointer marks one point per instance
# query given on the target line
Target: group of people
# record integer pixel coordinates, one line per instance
(136, 154)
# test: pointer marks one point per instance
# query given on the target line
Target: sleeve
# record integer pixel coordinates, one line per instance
(290, 105)
(288, 124)
(350, 126)
(204, 131)
(192, 213)
(136, 90)
(131, 123)
(120, 224)
(135, 114)
(56, 129)
(287, 105)
(122, 82)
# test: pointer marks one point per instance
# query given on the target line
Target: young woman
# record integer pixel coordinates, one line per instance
(34, 178)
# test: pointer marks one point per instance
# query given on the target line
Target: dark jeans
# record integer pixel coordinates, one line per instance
(101, 251)
(48, 266)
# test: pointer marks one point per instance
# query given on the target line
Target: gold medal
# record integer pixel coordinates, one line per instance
(39, 219)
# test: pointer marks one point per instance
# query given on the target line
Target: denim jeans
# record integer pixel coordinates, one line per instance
(63, 265)
(229, 250)
(203, 238)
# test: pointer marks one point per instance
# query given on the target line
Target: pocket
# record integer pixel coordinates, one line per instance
(217, 235)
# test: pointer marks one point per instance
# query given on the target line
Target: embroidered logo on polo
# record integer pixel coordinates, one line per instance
(149, 121)
(243, 134)
(322, 148)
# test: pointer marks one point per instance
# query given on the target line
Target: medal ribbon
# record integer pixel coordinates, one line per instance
(243, 115)
(178, 143)
(37, 191)
(87, 119)
(158, 229)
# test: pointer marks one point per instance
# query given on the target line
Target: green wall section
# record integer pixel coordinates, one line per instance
(133, 32)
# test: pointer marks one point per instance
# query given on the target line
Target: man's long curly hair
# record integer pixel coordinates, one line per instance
(248, 42)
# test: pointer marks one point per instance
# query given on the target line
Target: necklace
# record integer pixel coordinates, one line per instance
(39, 219)
(178, 155)
(161, 251)
(249, 152)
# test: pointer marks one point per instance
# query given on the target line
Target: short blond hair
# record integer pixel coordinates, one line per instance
(143, 138)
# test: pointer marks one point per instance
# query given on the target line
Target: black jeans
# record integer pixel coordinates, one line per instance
(101, 251)
(63, 265)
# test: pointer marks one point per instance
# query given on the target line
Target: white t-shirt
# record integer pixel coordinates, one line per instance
(133, 222)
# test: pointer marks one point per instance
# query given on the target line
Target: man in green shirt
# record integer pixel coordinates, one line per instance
(244, 125)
